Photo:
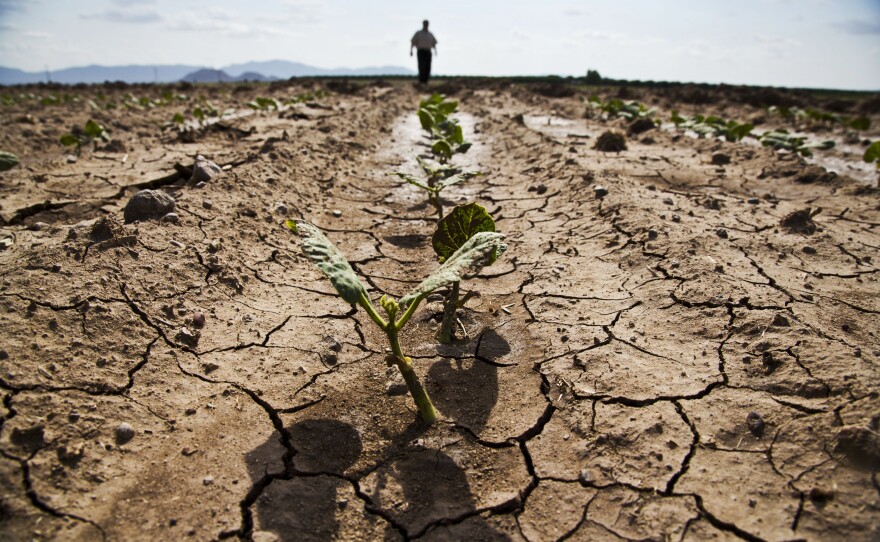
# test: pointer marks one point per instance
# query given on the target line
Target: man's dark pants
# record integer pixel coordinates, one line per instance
(424, 56)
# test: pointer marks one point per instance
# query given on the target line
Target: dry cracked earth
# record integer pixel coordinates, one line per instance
(680, 359)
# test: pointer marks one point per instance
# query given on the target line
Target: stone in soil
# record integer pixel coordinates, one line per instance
(204, 170)
(800, 222)
(124, 433)
(148, 204)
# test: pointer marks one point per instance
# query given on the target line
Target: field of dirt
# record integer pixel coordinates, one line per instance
(681, 342)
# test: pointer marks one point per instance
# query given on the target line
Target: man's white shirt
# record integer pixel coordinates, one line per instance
(424, 40)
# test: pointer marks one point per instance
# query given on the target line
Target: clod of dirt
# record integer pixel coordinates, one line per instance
(187, 337)
(722, 233)
(124, 433)
(519, 119)
(540, 188)
(780, 321)
(207, 204)
(815, 174)
(755, 423)
(198, 320)
(600, 191)
(148, 204)
(800, 221)
(720, 159)
(204, 170)
(281, 209)
(610, 142)
(31, 438)
(861, 445)
(808, 249)
(821, 495)
(174, 218)
(640, 125)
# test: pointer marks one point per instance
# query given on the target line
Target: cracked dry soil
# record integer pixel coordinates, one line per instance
(668, 362)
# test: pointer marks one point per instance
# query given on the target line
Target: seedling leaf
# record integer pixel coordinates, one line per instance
(872, 153)
(7, 161)
(458, 226)
(69, 140)
(330, 261)
(412, 180)
(478, 252)
(455, 179)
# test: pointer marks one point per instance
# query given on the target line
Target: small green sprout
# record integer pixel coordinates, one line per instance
(467, 261)
(453, 231)
(8, 161)
(445, 131)
(781, 139)
(264, 104)
(439, 177)
(872, 154)
(91, 133)
(713, 126)
(615, 107)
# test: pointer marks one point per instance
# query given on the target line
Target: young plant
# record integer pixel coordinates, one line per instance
(438, 179)
(453, 231)
(445, 131)
(264, 104)
(91, 133)
(7, 161)
(781, 139)
(466, 262)
(713, 126)
(872, 154)
(615, 107)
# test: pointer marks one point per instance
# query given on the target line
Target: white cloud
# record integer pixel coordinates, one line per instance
(124, 16)
(303, 11)
(224, 23)
(134, 2)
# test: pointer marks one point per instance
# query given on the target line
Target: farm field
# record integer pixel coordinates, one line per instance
(681, 341)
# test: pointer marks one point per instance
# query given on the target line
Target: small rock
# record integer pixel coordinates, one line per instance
(808, 249)
(342, 504)
(585, 477)
(721, 232)
(821, 495)
(600, 191)
(73, 417)
(780, 321)
(171, 217)
(207, 204)
(38, 226)
(330, 358)
(210, 367)
(720, 159)
(124, 433)
(208, 480)
(281, 209)
(652, 234)
(337, 213)
(190, 411)
(71, 159)
(753, 201)
(668, 201)
(198, 320)
(676, 218)
(394, 384)
(148, 204)
(755, 423)
(56, 268)
(541, 189)
(204, 170)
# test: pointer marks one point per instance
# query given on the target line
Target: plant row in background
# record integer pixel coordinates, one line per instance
(732, 130)
(464, 241)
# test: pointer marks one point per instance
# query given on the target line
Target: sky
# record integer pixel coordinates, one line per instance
(792, 43)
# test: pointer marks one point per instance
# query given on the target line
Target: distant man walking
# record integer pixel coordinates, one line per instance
(423, 41)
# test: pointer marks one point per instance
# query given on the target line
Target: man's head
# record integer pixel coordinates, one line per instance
(425, 24)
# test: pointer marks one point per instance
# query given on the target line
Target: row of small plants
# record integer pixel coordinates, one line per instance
(464, 241)
(715, 126)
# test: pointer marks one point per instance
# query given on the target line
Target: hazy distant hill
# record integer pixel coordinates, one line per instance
(252, 71)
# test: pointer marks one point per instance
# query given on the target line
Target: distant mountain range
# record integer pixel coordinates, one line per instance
(250, 71)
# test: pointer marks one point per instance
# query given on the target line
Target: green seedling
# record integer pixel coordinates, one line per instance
(713, 126)
(8, 161)
(445, 131)
(466, 262)
(438, 179)
(91, 133)
(264, 104)
(615, 107)
(820, 117)
(781, 139)
(453, 232)
(872, 154)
